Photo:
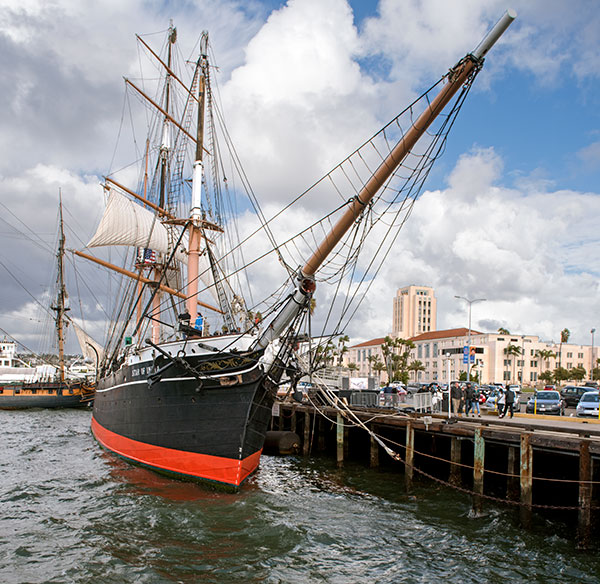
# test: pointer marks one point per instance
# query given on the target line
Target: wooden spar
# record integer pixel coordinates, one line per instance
(135, 276)
(162, 111)
(458, 75)
(305, 286)
(158, 209)
(387, 167)
(167, 68)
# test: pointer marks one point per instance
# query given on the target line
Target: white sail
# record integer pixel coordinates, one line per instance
(89, 348)
(127, 223)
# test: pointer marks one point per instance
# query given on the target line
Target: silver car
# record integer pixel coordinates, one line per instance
(588, 404)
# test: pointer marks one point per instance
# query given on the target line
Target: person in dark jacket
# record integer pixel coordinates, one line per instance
(456, 396)
(509, 401)
(472, 395)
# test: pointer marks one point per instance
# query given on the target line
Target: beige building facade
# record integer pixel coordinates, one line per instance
(414, 311)
(442, 356)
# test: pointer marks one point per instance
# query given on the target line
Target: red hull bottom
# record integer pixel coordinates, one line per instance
(190, 465)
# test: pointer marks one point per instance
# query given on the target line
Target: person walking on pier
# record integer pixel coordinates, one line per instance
(472, 400)
(456, 396)
(509, 401)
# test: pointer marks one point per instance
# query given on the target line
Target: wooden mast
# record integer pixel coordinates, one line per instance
(60, 308)
(195, 232)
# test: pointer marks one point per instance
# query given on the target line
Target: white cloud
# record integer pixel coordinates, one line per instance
(302, 88)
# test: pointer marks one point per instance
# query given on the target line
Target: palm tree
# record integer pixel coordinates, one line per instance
(503, 331)
(544, 355)
(512, 351)
(353, 366)
(371, 359)
(416, 366)
(379, 366)
(564, 337)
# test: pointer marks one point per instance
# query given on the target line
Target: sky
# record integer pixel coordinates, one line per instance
(510, 212)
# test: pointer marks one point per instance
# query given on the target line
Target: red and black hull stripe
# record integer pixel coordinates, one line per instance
(209, 430)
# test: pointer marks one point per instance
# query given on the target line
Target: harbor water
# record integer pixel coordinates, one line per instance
(72, 512)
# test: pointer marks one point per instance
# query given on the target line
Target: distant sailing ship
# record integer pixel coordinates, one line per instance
(45, 387)
(190, 393)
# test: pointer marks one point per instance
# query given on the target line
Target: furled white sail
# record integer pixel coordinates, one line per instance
(127, 223)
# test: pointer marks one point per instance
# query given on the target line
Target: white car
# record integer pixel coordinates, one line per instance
(588, 404)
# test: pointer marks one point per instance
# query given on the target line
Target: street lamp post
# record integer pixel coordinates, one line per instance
(522, 357)
(470, 303)
(592, 368)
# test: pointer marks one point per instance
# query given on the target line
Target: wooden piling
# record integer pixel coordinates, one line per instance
(512, 481)
(340, 439)
(374, 451)
(293, 422)
(306, 442)
(409, 458)
(526, 475)
(322, 426)
(584, 525)
(478, 470)
(455, 460)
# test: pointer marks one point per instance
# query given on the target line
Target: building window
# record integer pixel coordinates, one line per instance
(419, 351)
(435, 350)
(533, 376)
(569, 355)
(569, 365)
(506, 362)
(427, 351)
(580, 355)
(507, 376)
(533, 364)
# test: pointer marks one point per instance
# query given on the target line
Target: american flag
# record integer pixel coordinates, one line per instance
(146, 256)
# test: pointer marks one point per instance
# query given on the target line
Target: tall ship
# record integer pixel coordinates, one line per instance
(47, 386)
(198, 349)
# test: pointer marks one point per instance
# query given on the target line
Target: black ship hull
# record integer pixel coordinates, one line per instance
(208, 426)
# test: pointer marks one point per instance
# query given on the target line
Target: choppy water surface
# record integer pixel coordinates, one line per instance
(71, 512)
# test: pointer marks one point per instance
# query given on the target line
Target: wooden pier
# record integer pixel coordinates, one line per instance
(532, 463)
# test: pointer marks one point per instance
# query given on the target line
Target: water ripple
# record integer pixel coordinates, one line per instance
(72, 513)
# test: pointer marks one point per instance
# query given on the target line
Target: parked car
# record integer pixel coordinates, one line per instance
(546, 402)
(549, 387)
(572, 394)
(588, 404)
